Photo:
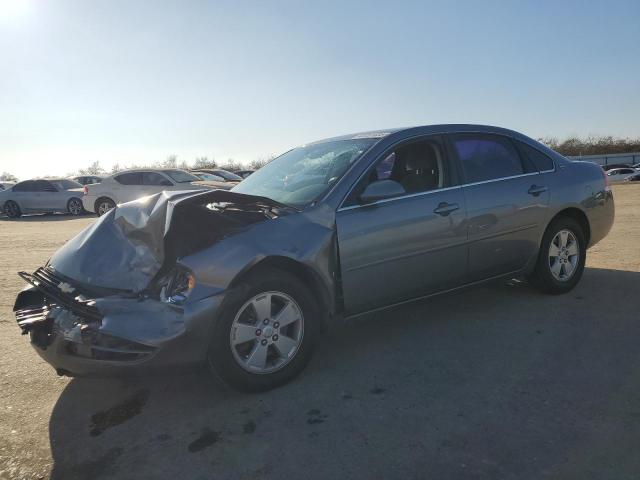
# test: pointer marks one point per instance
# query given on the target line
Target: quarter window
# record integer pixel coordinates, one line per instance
(487, 157)
(535, 156)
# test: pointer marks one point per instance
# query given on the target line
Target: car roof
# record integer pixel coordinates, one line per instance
(423, 129)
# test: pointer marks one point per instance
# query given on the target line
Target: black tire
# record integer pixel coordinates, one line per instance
(72, 206)
(542, 277)
(103, 201)
(220, 357)
(12, 209)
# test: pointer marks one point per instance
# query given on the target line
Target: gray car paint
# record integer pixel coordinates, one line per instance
(354, 260)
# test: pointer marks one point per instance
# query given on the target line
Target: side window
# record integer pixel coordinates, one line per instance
(417, 166)
(541, 161)
(131, 178)
(44, 186)
(487, 157)
(153, 178)
(26, 186)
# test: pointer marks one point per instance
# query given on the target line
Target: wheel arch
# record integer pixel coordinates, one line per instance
(312, 280)
(577, 215)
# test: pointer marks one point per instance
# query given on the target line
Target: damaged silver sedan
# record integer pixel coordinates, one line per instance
(245, 280)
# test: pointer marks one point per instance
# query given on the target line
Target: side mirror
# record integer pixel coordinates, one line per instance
(166, 183)
(380, 190)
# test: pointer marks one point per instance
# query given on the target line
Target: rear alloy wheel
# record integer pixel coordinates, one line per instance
(561, 259)
(75, 207)
(266, 332)
(11, 209)
(103, 205)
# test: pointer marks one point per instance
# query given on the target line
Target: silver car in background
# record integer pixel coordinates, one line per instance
(42, 196)
(245, 280)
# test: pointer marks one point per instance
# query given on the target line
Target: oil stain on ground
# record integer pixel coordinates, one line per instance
(120, 413)
(208, 438)
(315, 416)
(249, 427)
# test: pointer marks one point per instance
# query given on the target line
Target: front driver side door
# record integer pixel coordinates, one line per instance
(407, 246)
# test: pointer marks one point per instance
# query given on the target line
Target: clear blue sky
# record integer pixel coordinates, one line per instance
(135, 81)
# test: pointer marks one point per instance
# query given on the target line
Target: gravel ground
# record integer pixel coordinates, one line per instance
(494, 382)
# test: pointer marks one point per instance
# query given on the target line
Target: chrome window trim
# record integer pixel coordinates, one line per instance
(418, 194)
(510, 137)
(401, 197)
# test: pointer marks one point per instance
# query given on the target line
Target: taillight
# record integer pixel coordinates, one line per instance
(85, 189)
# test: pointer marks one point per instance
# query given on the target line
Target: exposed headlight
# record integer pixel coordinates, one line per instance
(178, 287)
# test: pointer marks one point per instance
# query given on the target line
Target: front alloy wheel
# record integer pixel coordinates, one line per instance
(265, 331)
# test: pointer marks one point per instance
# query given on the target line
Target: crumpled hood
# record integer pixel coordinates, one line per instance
(125, 248)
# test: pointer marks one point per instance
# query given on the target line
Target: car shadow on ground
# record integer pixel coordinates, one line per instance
(497, 381)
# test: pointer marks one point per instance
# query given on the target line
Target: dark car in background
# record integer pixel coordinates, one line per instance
(42, 196)
(244, 173)
(245, 280)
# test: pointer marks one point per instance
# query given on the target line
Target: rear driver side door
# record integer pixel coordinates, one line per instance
(507, 201)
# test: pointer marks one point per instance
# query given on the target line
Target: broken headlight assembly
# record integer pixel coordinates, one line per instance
(178, 286)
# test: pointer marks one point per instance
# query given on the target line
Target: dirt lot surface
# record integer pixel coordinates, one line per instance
(495, 382)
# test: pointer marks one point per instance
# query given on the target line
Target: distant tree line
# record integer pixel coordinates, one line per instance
(592, 145)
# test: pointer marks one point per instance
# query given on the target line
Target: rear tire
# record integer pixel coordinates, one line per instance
(12, 209)
(74, 207)
(240, 332)
(561, 259)
(103, 205)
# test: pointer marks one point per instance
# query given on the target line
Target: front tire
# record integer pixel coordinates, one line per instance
(266, 332)
(12, 209)
(562, 256)
(74, 207)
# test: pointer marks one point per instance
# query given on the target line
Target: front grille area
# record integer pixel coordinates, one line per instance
(59, 308)
(49, 284)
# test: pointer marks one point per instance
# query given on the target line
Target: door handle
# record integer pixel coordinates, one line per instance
(445, 208)
(536, 190)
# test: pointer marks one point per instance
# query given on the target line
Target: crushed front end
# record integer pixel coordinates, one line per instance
(83, 334)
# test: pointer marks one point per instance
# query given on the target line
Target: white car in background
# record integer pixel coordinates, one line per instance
(620, 174)
(42, 195)
(130, 185)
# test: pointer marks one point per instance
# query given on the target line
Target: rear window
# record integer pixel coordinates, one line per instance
(535, 156)
(487, 157)
(131, 178)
